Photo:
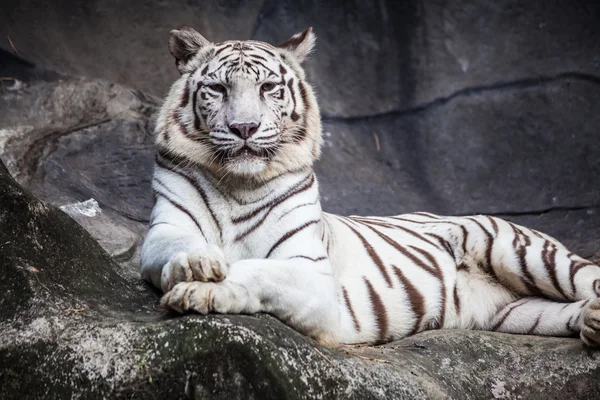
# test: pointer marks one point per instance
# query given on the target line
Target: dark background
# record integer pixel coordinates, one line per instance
(454, 107)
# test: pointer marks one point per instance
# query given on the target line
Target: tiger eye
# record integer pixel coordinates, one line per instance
(217, 87)
(267, 86)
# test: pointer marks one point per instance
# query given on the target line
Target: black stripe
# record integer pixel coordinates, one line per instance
(298, 206)
(252, 55)
(290, 85)
(297, 188)
(405, 252)
(263, 48)
(227, 46)
(303, 132)
(456, 300)
(416, 299)
(538, 234)
(574, 268)
(371, 252)
(464, 241)
(443, 243)
(175, 159)
(310, 258)
(196, 186)
(380, 313)
(152, 225)
(570, 326)
(289, 234)
(503, 318)
(488, 249)
(440, 275)
(549, 259)
(494, 224)
(386, 225)
(425, 214)
(535, 325)
(407, 220)
(181, 208)
(521, 250)
(192, 136)
(186, 95)
(194, 105)
(265, 67)
(350, 309)
(464, 230)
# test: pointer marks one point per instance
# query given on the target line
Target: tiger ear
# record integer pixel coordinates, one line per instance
(184, 43)
(301, 44)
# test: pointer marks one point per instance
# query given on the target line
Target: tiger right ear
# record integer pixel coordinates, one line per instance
(184, 43)
(300, 45)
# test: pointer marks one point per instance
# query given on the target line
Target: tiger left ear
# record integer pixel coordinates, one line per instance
(184, 43)
(301, 44)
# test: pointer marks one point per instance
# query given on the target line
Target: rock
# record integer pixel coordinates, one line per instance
(74, 327)
(72, 141)
(50, 263)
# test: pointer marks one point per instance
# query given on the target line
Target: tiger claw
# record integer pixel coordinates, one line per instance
(590, 327)
(207, 265)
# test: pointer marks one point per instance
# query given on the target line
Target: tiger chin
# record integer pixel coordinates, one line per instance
(237, 225)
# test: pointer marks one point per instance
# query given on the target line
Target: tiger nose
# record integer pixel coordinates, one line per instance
(244, 130)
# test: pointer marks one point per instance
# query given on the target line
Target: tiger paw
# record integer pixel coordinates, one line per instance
(590, 327)
(207, 265)
(204, 297)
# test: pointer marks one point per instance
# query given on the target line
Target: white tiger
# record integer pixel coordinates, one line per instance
(237, 226)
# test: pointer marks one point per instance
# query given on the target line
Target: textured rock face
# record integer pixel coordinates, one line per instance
(85, 146)
(451, 107)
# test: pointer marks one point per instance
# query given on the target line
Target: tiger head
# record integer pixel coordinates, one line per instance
(241, 108)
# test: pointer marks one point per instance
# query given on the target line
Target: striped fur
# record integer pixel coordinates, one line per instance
(238, 228)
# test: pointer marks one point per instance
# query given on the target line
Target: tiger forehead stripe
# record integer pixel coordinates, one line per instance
(225, 47)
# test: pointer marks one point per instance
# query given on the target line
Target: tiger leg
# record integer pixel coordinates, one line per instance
(528, 262)
(299, 292)
(537, 316)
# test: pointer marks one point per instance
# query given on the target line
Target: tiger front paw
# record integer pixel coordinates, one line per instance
(204, 297)
(590, 327)
(208, 265)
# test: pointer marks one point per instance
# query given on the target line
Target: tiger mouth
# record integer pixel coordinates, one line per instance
(246, 152)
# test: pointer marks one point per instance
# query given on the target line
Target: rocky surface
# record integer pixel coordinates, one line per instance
(451, 107)
(85, 146)
(74, 325)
